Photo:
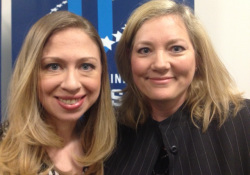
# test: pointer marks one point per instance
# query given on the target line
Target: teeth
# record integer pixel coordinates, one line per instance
(69, 102)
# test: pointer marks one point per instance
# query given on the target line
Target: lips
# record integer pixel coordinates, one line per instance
(161, 80)
(70, 103)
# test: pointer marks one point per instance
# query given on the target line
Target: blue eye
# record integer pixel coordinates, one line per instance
(52, 66)
(87, 66)
(177, 49)
(144, 50)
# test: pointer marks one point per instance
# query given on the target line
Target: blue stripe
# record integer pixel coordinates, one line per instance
(75, 6)
(105, 19)
(89, 11)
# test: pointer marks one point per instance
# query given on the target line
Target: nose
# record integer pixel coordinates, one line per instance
(71, 81)
(161, 61)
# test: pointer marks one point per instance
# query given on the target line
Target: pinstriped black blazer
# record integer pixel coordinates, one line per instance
(217, 151)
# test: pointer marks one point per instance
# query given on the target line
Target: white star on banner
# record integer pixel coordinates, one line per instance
(107, 42)
(124, 27)
(117, 36)
(58, 6)
(54, 10)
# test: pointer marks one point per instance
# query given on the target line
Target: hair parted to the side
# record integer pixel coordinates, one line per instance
(212, 89)
(23, 148)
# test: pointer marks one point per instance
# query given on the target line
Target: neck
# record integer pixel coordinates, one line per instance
(64, 158)
(162, 110)
(65, 129)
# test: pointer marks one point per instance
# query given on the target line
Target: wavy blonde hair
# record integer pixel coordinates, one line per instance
(23, 149)
(212, 89)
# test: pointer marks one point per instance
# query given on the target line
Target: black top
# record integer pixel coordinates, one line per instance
(224, 150)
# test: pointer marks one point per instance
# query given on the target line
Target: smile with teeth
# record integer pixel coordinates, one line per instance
(69, 101)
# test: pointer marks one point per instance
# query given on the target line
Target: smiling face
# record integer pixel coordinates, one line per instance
(163, 60)
(70, 75)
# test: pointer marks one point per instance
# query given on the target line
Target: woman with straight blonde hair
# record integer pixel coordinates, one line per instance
(181, 112)
(60, 118)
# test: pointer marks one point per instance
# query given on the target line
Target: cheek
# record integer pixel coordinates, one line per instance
(137, 67)
(186, 66)
(92, 84)
(139, 71)
(186, 72)
(46, 86)
(191, 67)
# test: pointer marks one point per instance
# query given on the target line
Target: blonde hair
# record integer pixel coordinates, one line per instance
(211, 91)
(23, 149)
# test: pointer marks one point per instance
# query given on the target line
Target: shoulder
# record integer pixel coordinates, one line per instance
(124, 131)
(247, 103)
(238, 126)
(244, 112)
(127, 131)
(3, 129)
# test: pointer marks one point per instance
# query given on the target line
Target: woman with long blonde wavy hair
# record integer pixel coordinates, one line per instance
(60, 118)
(181, 112)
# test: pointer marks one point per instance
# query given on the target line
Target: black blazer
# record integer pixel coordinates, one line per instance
(224, 150)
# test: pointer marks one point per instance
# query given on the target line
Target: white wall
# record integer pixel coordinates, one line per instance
(228, 24)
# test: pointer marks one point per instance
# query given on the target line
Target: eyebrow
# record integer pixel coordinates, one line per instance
(149, 42)
(146, 42)
(80, 59)
(176, 40)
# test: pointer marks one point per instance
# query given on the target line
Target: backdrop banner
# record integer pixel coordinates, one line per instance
(108, 16)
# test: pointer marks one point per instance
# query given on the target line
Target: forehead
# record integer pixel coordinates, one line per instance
(58, 34)
(71, 42)
(70, 36)
(165, 25)
(166, 20)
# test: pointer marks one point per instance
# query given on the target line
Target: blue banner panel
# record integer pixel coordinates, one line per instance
(75, 6)
(25, 13)
(89, 11)
(105, 17)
